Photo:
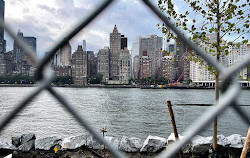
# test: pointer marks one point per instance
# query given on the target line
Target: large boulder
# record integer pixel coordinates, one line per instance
(113, 141)
(222, 140)
(6, 148)
(171, 138)
(235, 141)
(93, 143)
(200, 145)
(26, 141)
(16, 141)
(27, 137)
(153, 144)
(48, 143)
(132, 144)
(27, 146)
(74, 142)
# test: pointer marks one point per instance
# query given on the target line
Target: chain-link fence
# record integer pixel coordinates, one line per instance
(45, 76)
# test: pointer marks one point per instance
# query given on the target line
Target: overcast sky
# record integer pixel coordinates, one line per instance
(48, 20)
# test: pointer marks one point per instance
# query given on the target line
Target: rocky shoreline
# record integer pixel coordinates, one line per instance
(86, 145)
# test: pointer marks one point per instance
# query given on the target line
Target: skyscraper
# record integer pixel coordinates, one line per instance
(103, 63)
(152, 45)
(80, 67)
(2, 41)
(124, 66)
(115, 47)
(84, 45)
(124, 42)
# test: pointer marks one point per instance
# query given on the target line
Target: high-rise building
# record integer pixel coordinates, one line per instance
(152, 45)
(237, 53)
(92, 64)
(198, 71)
(2, 41)
(124, 66)
(84, 45)
(135, 52)
(115, 47)
(24, 64)
(29, 41)
(181, 65)
(103, 63)
(80, 67)
(63, 56)
(136, 66)
(167, 67)
(145, 66)
(124, 42)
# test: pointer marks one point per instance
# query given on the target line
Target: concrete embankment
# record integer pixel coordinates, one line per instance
(131, 146)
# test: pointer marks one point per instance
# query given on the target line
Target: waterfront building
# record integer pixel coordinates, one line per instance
(167, 67)
(136, 66)
(145, 66)
(181, 65)
(61, 63)
(63, 56)
(18, 52)
(135, 52)
(92, 64)
(24, 63)
(3, 66)
(152, 45)
(115, 47)
(79, 67)
(103, 63)
(198, 70)
(237, 53)
(2, 41)
(124, 66)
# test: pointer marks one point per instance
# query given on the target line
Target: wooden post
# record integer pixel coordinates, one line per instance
(173, 124)
(246, 145)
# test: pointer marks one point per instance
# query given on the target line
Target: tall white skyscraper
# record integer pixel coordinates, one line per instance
(84, 46)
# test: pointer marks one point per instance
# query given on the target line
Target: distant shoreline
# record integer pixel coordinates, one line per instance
(113, 86)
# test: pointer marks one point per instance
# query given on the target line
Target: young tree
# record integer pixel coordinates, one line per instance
(199, 18)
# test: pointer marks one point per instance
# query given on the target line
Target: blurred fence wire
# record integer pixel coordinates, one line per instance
(45, 76)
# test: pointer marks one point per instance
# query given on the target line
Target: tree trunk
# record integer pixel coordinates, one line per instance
(217, 76)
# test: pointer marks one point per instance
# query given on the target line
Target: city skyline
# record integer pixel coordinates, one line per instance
(35, 22)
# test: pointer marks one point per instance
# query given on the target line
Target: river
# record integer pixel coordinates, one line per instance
(131, 112)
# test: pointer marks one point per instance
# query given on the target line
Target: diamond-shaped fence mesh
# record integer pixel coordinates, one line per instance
(228, 97)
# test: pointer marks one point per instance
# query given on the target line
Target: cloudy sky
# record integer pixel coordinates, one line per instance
(49, 20)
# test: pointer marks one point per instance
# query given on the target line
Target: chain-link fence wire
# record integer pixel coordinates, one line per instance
(45, 76)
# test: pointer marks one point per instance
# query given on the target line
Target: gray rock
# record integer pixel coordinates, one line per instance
(244, 140)
(5, 145)
(200, 145)
(113, 141)
(16, 141)
(93, 143)
(153, 144)
(132, 144)
(74, 142)
(27, 146)
(27, 137)
(235, 141)
(47, 143)
(222, 140)
(171, 138)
